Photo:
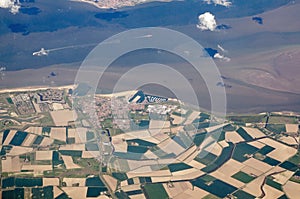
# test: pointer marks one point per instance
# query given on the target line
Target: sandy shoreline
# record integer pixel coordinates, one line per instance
(39, 78)
(120, 6)
(92, 3)
(240, 98)
(35, 88)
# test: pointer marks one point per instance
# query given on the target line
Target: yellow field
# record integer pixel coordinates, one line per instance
(70, 181)
(184, 190)
(292, 128)
(46, 141)
(37, 168)
(9, 137)
(50, 181)
(254, 132)
(233, 137)
(58, 133)
(19, 150)
(76, 192)
(11, 164)
(281, 152)
(29, 140)
(69, 162)
(35, 130)
(194, 115)
(62, 117)
(43, 155)
(112, 182)
(73, 147)
(292, 189)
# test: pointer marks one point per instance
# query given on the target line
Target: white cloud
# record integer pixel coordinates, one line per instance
(6, 3)
(15, 9)
(222, 57)
(207, 22)
(13, 5)
(225, 3)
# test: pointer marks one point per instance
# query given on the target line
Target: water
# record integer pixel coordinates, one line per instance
(18, 28)
(30, 10)
(53, 24)
(109, 16)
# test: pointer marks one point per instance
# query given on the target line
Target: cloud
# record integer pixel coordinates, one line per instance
(11, 4)
(15, 9)
(221, 57)
(207, 22)
(213, 53)
(6, 3)
(225, 3)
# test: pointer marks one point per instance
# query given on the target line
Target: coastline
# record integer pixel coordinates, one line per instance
(241, 99)
(35, 88)
(92, 3)
(122, 93)
(120, 6)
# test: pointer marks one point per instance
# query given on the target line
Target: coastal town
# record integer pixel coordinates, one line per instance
(147, 147)
(107, 4)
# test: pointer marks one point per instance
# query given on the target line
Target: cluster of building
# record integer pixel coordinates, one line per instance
(117, 3)
(161, 109)
(117, 109)
(49, 100)
(50, 96)
(23, 104)
(41, 101)
(103, 108)
(120, 111)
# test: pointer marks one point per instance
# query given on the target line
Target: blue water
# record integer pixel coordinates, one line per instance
(30, 10)
(53, 24)
(109, 16)
(18, 28)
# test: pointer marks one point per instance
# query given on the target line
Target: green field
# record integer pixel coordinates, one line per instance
(295, 159)
(276, 128)
(243, 177)
(246, 118)
(282, 120)
(9, 100)
(211, 196)
(155, 191)
(207, 178)
(274, 184)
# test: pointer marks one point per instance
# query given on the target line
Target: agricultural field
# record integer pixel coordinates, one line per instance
(172, 156)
